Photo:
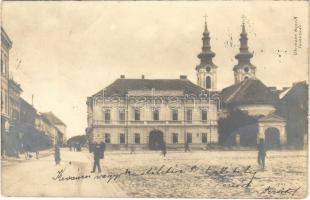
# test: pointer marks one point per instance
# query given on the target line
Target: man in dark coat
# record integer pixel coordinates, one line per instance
(164, 149)
(102, 145)
(261, 153)
(186, 146)
(97, 151)
(57, 154)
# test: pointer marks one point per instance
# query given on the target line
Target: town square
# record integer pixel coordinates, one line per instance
(167, 99)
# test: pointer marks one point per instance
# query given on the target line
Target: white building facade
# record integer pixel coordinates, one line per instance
(171, 111)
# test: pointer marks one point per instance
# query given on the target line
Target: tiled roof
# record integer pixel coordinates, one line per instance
(52, 118)
(122, 86)
(249, 91)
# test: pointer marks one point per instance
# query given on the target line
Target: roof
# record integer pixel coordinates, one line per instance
(272, 117)
(248, 92)
(122, 86)
(5, 39)
(298, 89)
(15, 86)
(26, 106)
(52, 118)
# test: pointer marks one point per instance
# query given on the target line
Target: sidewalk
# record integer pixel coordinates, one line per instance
(22, 158)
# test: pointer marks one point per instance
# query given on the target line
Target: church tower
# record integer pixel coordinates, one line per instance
(206, 70)
(244, 69)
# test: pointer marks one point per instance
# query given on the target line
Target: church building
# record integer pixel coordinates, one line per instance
(146, 113)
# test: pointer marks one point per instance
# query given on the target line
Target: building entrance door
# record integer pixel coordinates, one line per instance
(156, 139)
(272, 138)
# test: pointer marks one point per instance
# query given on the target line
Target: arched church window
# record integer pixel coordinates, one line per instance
(208, 82)
(208, 69)
(246, 69)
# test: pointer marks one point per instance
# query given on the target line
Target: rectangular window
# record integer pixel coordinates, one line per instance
(107, 115)
(137, 114)
(175, 116)
(204, 138)
(122, 138)
(175, 138)
(204, 115)
(189, 115)
(137, 138)
(3, 63)
(122, 115)
(2, 100)
(156, 115)
(189, 138)
(107, 138)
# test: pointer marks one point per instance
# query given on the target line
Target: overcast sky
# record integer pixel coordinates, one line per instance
(70, 50)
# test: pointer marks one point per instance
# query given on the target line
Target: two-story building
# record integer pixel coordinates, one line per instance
(57, 129)
(147, 112)
(6, 45)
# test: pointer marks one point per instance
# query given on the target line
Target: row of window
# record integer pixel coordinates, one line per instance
(175, 138)
(137, 115)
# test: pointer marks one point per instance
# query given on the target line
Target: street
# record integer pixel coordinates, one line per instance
(34, 178)
(203, 174)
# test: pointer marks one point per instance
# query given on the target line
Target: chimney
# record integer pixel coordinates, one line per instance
(183, 77)
(142, 76)
(122, 76)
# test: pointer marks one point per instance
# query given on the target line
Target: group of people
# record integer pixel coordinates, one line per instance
(98, 150)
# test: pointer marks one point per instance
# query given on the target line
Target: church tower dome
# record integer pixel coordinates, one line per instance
(244, 69)
(206, 70)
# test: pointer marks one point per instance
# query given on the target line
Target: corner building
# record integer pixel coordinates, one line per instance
(147, 112)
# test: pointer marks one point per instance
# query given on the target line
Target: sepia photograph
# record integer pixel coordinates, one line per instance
(155, 99)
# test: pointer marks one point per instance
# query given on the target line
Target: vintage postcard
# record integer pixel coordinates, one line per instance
(156, 99)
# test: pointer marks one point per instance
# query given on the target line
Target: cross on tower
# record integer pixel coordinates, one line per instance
(243, 19)
(205, 16)
(206, 28)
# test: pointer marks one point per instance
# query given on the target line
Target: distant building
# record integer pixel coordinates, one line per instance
(61, 127)
(14, 101)
(294, 108)
(137, 112)
(47, 128)
(149, 124)
(6, 45)
(256, 100)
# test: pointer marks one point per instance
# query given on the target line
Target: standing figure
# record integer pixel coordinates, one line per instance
(97, 156)
(164, 149)
(37, 154)
(132, 149)
(57, 154)
(102, 146)
(186, 146)
(261, 153)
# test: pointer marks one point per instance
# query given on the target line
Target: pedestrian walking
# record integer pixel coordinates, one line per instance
(97, 155)
(27, 151)
(132, 149)
(261, 153)
(57, 154)
(186, 147)
(37, 154)
(102, 146)
(164, 149)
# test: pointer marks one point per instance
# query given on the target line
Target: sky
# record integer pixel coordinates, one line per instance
(65, 51)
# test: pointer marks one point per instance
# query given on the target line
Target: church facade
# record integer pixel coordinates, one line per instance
(146, 113)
